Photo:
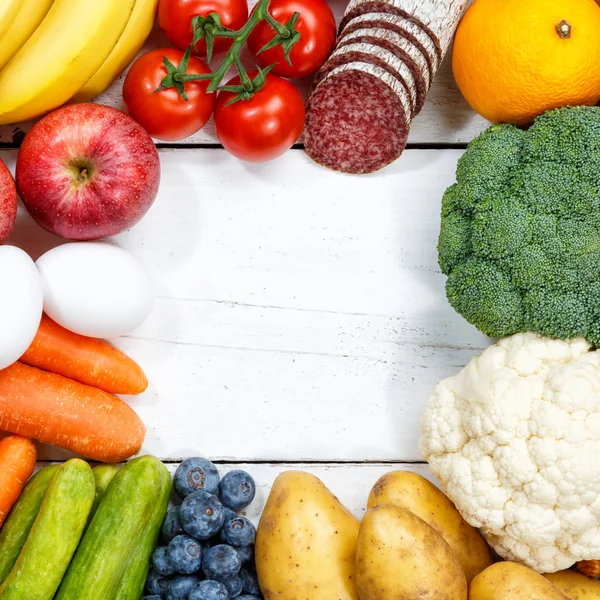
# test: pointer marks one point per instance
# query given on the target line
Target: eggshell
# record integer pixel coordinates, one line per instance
(20, 304)
(95, 289)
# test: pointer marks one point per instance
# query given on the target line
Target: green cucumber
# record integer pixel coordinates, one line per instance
(17, 526)
(54, 535)
(106, 547)
(131, 586)
(103, 475)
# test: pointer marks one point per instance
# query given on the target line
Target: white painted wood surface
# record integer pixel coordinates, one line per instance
(300, 314)
(351, 482)
(445, 119)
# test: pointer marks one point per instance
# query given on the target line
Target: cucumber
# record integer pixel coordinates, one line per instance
(131, 586)
(103, 474)
(112, 536)
(54, 535)
(17, 526)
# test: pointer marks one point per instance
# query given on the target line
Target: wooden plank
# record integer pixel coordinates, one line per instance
(351, 483)
(300, 315)
(445, 119)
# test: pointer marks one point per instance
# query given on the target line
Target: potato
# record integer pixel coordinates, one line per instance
(510, 581)
(306, 542)
(400, 557)
(413, 492)
(575, 586)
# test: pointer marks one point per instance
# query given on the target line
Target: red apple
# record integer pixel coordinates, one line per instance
(8, 202)
(86, 171)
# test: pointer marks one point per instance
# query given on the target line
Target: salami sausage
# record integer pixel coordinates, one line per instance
(402, 48)
(358, 119)
(375, 55)
(403, 27)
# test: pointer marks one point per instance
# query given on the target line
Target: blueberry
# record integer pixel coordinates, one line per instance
(221, 562)
(246, 554)
(153, 597)
(201, 515)
(185, 554)
(209, 590)
(248, 597)
(161, 563)
(181, 586)
(250, 582)
(171, 525)
(237, 490)
(234, 586)
(229, 514)
(238, 532)
(157, 584)
(195, 474)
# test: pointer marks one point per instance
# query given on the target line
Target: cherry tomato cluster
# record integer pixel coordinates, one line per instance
(169, 90)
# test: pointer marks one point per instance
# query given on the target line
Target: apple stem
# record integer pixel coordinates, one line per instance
(82, 175)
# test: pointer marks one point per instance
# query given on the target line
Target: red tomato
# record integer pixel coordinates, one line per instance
(175, 19)
(263, 127)
(165, 115)
(316, 25)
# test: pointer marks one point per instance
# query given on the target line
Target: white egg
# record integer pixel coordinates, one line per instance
(20, 304)
(95, 289)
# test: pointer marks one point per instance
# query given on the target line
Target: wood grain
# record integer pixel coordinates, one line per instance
(351, 482)
(300, 314)
(445, 119)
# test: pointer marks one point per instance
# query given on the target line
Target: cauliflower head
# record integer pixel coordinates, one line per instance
(514, 439)
(520, 230)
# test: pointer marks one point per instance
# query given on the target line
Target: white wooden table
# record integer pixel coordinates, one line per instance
(301, 320)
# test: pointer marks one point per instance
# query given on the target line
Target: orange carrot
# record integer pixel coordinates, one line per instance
(56, 410)
(87, 360)
(17, 461)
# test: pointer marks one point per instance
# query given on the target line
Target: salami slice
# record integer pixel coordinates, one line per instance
(357, 8)
(375, 55)
(357, 119)
(402, 26)
(438, 18)
(402, 48)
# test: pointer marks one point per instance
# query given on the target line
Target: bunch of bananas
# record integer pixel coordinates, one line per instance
(53, 51)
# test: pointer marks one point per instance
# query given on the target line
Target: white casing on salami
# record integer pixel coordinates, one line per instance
(440, 17)
(371, 20)
(399, 42)
(407, 79)
(381, 74)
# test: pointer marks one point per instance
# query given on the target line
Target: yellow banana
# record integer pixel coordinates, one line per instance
(137, 30)
(29, 16)
(63, 53)
(8, 12)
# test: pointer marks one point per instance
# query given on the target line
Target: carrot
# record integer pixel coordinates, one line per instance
(87, 360)
(17, 461)
(56, 410)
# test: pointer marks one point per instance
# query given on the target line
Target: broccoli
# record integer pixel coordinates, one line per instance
(520, 232)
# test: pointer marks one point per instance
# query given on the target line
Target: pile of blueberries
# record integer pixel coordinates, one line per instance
(209, 551)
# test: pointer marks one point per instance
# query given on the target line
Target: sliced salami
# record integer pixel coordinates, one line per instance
(402, 48)
(357, 8)
(375, 55)
(438, 18)
(403, 27)
(357, 119)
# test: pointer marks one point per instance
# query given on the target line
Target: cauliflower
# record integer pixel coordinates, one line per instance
(514, 439)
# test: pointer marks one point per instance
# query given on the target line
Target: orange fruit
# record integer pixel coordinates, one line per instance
(515, 59)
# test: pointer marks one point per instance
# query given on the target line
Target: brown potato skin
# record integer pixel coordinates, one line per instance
(306, 542)
(400, 557)
(510, 581)
(574, 585)
(418, 495)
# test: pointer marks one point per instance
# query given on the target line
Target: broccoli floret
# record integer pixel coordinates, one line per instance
(520, 232)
